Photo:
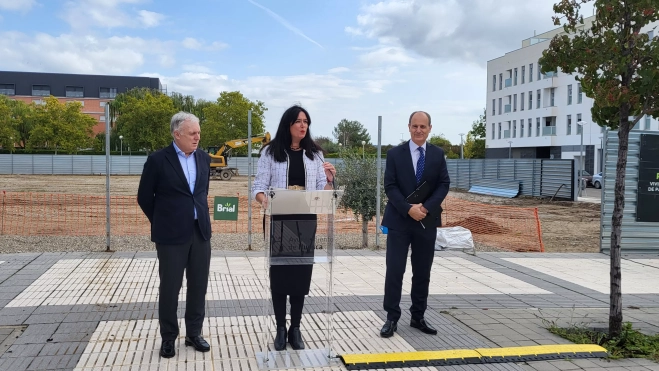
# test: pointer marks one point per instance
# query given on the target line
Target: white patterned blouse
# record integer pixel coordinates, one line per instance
(274, 175)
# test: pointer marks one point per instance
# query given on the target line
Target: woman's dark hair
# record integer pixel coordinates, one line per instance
(282, 140)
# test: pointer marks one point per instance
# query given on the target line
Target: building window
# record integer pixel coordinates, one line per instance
(537, 126)
(108, 93)
(569, 124)
(7, 89)
(530, 100)
(537, 104)
(514, 128)
(530, 72)
(579, 93)
(647, 122)
(102, 104)
(102, 118)
(521, 127)
(493, 130)
(539, 74)
(515, 103)
(523, 73)
(500, 83)
(39, 102)
(494, 106)
(579, 127)
(500, 106)
(569, 94)
(74, 92)
(551, 97)
(40, 90)
(494, 82)
(499, 130)
(515, 82)
(521, 101)
(530, 124)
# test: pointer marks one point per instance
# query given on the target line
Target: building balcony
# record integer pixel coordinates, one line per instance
(506, 134)
(549, 131)
(506, 108)
(508, 82)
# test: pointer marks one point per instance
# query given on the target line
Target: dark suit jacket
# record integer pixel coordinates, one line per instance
(400, 182)
(165, 197)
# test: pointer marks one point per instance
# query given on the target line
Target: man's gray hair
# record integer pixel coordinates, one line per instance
(180, 118)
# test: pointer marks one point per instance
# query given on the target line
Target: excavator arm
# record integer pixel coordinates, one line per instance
(219, 156)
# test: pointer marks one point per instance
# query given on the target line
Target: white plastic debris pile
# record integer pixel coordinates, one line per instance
(454, 238)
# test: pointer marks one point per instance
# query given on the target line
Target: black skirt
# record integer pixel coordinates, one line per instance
(292, 236)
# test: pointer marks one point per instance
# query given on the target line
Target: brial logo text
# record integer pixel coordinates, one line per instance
(226, 208)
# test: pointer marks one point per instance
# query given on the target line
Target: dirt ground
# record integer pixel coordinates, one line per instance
(566, 226)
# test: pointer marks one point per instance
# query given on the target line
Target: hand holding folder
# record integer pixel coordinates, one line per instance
(420, 195)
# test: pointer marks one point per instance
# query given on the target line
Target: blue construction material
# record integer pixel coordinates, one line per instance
(496, 187)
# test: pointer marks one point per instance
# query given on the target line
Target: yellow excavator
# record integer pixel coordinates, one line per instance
(221, 155)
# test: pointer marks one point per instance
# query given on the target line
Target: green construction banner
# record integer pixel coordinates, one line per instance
(225, 208)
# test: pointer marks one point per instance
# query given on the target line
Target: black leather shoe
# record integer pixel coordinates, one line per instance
(198, 343)
(295, 338)
(423, 326)
(388, 329)
(167, 349)
(280, 339)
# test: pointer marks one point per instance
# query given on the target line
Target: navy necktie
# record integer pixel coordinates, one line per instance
(419, 165)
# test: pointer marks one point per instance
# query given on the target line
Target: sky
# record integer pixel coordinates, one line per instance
(340, 59)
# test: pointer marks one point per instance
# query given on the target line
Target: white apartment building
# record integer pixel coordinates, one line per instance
(534, 115)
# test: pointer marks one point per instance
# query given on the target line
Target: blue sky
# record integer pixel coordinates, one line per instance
(353, 59)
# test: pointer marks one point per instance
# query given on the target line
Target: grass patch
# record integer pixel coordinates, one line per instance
(629, 344)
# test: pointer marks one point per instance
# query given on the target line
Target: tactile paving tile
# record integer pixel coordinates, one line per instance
(640, 276)
(117, 281)
(235, 342)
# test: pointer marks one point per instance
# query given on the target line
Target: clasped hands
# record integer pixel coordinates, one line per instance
(418, 212)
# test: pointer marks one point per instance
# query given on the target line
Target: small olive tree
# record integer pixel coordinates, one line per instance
(357, 176)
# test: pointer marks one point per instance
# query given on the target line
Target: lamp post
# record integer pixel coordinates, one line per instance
(11, 154)
(461, 146)
(583, 161)
(510, 149)
(121, 145)
(363, 144)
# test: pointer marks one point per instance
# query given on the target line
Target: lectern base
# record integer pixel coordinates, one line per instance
(291, 359)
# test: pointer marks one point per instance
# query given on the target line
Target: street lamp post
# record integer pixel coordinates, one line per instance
(583, 161)
(11, 154)
(461, 146)
(121, 145)
(363, 144)
(510, 149)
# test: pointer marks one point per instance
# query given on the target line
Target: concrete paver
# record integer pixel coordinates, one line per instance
(89, 311)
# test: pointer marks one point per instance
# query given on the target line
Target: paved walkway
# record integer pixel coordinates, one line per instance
(97, 311)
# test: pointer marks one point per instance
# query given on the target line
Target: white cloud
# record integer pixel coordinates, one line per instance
(466, 30)
(338, 70)
(194, 44)
(196, 68)
(386, 55)
(150, 19)
(17, 4)
(80, 54)
(81, 14)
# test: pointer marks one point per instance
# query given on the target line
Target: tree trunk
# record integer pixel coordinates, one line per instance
(364, 234)
(615, 299)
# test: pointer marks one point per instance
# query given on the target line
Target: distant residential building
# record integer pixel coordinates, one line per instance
(534, 115)
(92, 91)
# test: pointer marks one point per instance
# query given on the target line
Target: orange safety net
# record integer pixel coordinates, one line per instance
(45, 214)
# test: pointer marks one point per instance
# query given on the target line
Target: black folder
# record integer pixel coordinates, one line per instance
(420, 195)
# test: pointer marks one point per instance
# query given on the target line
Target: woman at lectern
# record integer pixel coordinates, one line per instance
(292, 160)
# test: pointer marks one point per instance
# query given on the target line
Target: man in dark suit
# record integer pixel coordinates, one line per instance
(173, 194)
(408, 166)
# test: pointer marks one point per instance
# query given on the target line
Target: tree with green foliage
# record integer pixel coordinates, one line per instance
(8, 132)
(61, 126)
(351, 134)
(144, 119)
(474, 146)
(226, 119)
(445, 144)
(618, 66)
(358, 178)
(328, 144)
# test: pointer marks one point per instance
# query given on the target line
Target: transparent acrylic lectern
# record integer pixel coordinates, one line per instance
(299, 230)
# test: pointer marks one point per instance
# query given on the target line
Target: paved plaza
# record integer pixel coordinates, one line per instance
(98, 311)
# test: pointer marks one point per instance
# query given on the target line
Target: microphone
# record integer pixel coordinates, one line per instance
(333, 175)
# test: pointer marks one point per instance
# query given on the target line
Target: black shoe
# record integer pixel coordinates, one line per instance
(388, 329)
(295, 338)
(423, 326)
(198, 343)
(167, 349)
(280, 339)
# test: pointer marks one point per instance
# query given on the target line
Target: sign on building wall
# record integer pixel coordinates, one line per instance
(647, 204)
